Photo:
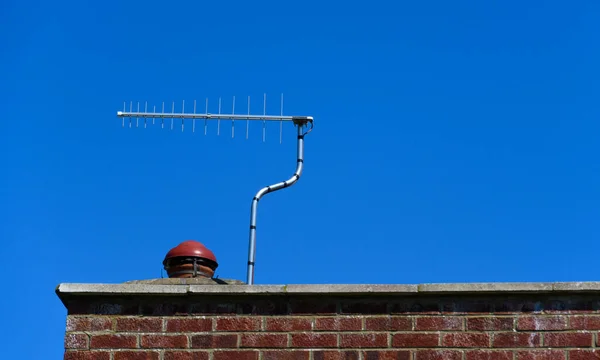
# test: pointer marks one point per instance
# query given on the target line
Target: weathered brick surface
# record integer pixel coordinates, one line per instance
(438, 355)
(314, 340)
(584, 354)
(387, 355)
(76, 341)
(568, 339)
(488, 355)
(214, 341)
(584, 322)
(466, 340)
(287, 324)
(137, 355)
(439, 323)
(415, 340)
(189, 325)
(490, 323)
(89, 323)
(264, 340)
(236, 355)
(335, 355)
(387, 323)
(238, 324)
(87, 355)
(140, 324)
(364, 340)
(113, 341)
(338, 323)
(541, 355)
(516, 340)
(286, 355)
(186, 355)
(520, 327)
(164, 341)
(542, 323)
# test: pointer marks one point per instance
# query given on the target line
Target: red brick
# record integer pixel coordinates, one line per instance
(468, 340)
(87, 355)
(542, 323)
(335, 355)
(585, 322)
(189, 325)
(288, 324)
(439, 323)
(415, 340)
(164, 341)
(186, 355)
(541, 355)
(88, 323)
(584, 354)
(235, 355)
(488, 355)
(76, 341)
(438, 355)
(238, 324)
(490, 323)
(136, 355)
(512, 340)
(387, 355)
(264, 340)
(373, 340)
(214, 341)
(114, 342)
(341, 323)
(139, 324)
(568, 339)
(387, 323)
(286, 355)
(314, 340)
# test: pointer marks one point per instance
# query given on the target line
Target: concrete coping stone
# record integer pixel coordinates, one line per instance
(153, 288)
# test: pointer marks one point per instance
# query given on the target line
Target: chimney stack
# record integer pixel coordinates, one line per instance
(190, 259)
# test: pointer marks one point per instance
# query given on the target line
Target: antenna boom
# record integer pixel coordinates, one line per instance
(129, 114)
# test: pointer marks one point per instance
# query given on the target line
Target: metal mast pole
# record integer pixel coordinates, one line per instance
(266, 190)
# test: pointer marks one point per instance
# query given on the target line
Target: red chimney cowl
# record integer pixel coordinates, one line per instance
(190, 259)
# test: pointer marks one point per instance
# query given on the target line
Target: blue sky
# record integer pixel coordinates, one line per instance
(454, 142)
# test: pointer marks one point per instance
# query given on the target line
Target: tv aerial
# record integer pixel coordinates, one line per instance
(303, 124)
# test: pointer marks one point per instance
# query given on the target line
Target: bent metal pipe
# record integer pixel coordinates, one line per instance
(268, 189)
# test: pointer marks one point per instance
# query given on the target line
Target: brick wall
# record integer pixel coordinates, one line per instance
(326, 326)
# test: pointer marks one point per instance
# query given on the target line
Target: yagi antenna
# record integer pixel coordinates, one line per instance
(301, 122)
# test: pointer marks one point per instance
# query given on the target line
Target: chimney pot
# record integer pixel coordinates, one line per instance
(190, 259)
